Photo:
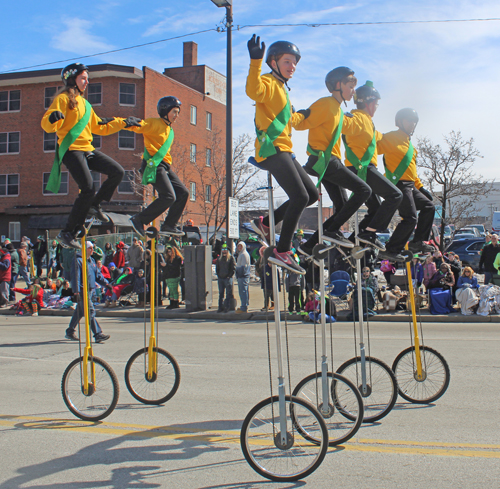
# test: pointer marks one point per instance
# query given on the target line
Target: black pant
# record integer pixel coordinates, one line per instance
(336, 179)
(172, 195)
(413, 201)
(379, 213)
(300, 190)
(80, 164)
(293, 298)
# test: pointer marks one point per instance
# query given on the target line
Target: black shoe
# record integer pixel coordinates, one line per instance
(391, 256)
(137, 225)
(338, 238)
(420, 247)
(99, 338)
(70, 335)
(68, 240)
(172, 230)
(370, 238)
(96, 211)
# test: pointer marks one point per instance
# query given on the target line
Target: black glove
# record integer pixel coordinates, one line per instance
(105, 120)
(255, 51)
(55, 116)
(426, 193)
(305, 112)
(132, 121)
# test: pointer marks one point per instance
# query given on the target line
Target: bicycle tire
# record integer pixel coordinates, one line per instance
(345, 406)
(163, 387)
(436, 375)
(103, 397)
(260, 440)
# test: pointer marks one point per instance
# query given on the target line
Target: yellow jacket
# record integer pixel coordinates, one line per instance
(84, 141)
(270, 98)
(322, 123)
(155, 132)
(394, 145)
(362, 139)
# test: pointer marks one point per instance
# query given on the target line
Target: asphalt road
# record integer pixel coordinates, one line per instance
(193, 440)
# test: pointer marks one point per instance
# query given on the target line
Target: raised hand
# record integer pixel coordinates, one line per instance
(255, 48)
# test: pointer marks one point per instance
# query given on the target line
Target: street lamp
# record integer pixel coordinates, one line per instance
(229, 111)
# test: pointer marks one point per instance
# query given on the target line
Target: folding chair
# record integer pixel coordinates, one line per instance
(340, 286)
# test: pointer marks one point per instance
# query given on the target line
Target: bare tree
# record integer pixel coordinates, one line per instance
(451, 169)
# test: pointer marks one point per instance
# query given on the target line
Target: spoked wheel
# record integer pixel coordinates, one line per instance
(162, 385)
(343, 413)
(381, 390)
(262, 445)
(433, 382)
(102, 396)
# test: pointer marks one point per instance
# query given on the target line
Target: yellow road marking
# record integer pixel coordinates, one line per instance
(232, 436)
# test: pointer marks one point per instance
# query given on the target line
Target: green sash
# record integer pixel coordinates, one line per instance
(324, 156)
(267, 138)
(361, 165)
(55, 174)
(152, 162)
(402, 167)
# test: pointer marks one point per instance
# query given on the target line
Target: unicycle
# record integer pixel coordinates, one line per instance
(89, 385)
(276, 434)
(336, 398)
(375, 380)
(422, 373)
(152, 374)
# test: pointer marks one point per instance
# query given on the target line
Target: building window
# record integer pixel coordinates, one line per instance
(208, 157)
(96, 178)
(63, 189)
(96, 141)
(49, 142)
(209, 121)
(127, 93)
(94, 94)
(9, 142)
(15, 231)
(126, 140)
(208, 193)
(10, 101)
(125, 186)
(193, 115)
(50, 93)
(192, 191)
(9, 185)
(192, 153)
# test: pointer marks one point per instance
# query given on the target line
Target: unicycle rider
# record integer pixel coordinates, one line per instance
(400, 161)
(156, 169)
(74, 121)
(274, 119)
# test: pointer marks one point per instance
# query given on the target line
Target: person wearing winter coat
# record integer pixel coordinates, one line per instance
(33, 300)
(5, 276)
(119, 257)
(172, 273)
(39, 251)
(224, 268)
(135, 254)
(243, 276)
(417, 271)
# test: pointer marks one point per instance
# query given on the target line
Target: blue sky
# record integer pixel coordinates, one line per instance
(448, 72)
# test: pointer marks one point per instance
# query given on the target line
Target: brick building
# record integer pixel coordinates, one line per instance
(27, 152)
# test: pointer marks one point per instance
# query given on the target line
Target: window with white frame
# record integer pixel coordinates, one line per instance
(63, 189)
(209, 121)
(96, 141)
(94, 93)
(96, 178)
(10, 142)
(49, 142)
(15, 231)
(192, 117)
(208, 157)
(50, 93)
(126, 140)
(127, 94)
(125, 186)
(9, 185)
(192, 153)
(192, 191)
(10, 101)
(208, 193)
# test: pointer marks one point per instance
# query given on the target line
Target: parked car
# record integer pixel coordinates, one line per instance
(480, 228)
(384, 237)
(193, 235)
(469, 250)
(468, 230)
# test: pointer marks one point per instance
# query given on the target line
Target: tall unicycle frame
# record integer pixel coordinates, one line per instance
(152, 374)
(422, 373)
(276, 435)
(336, 398)
(89, 385)
(375, 380)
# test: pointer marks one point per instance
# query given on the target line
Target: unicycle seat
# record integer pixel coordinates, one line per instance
(254, 162)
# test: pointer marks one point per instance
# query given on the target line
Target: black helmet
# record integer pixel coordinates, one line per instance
(366, 94)
(406, 114)
(71, 71)
(166, 104)
(337, 75)
(279, 48)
